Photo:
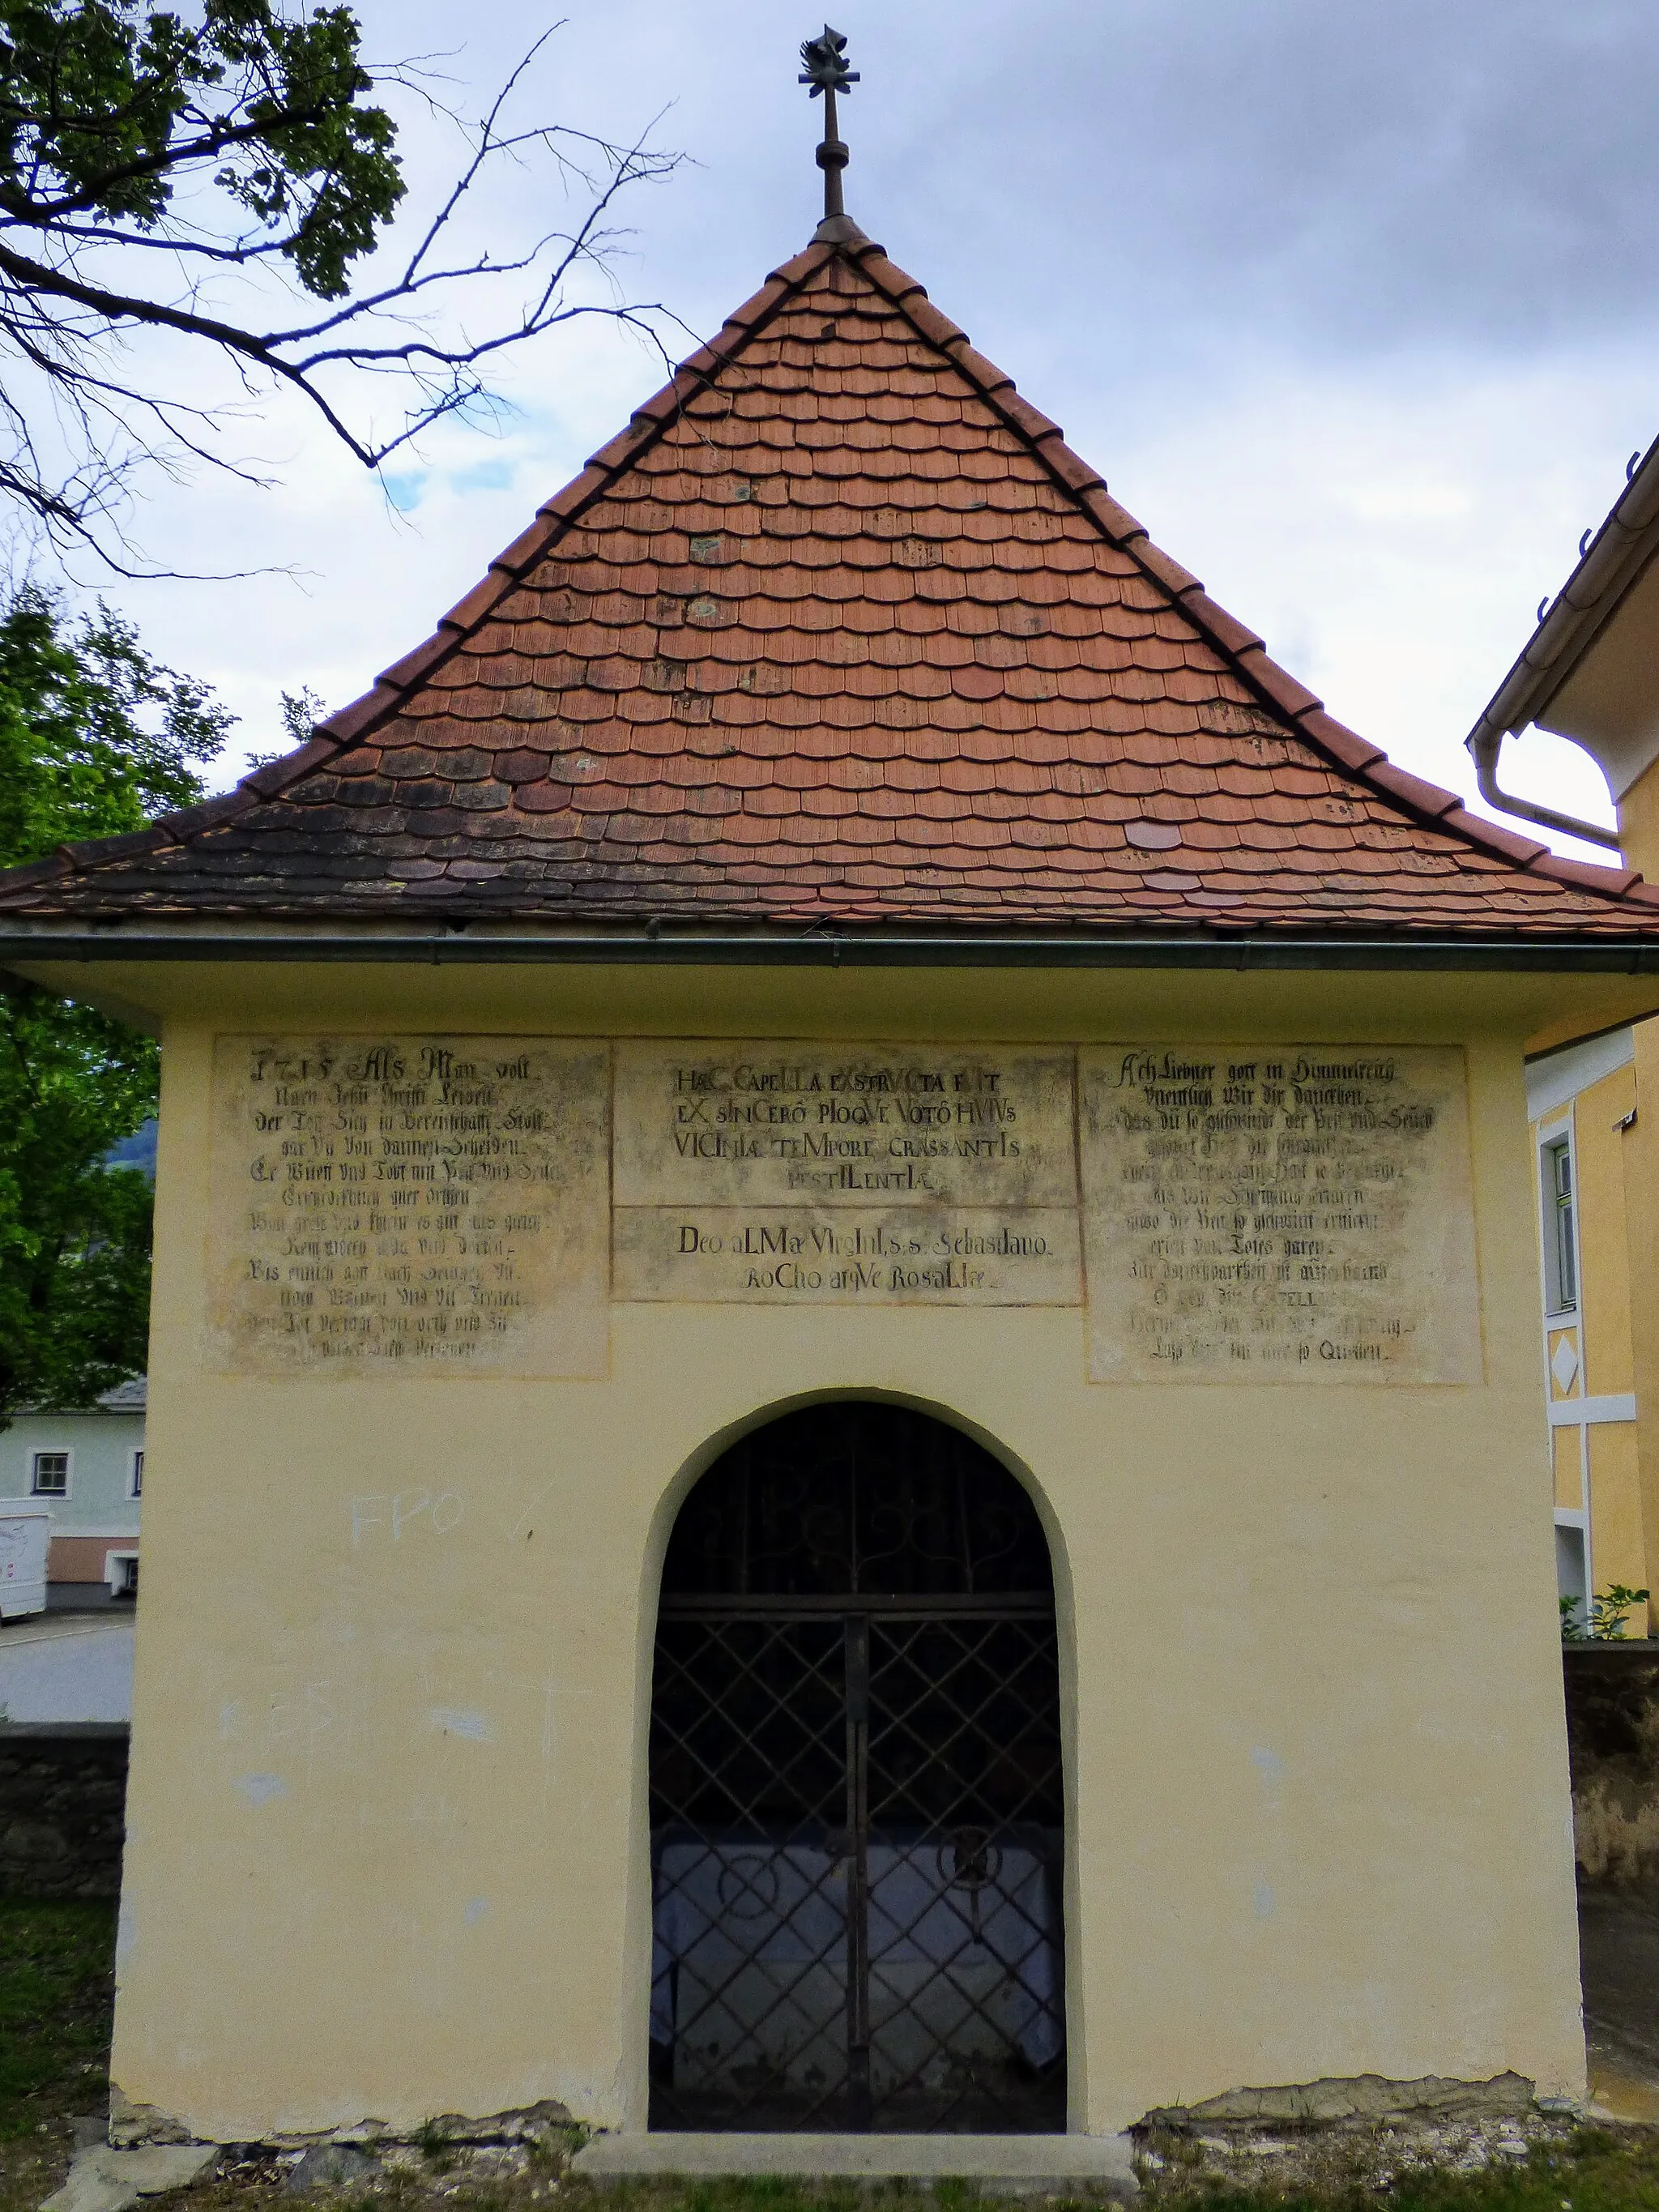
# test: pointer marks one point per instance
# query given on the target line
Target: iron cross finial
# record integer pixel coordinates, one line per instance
(826, 72)
(826, 69)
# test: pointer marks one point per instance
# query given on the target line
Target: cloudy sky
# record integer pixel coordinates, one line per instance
(1352, 301)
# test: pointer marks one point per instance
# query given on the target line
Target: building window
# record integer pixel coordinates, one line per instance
(1560, 1228)
(50, 1476)
(136, 1489)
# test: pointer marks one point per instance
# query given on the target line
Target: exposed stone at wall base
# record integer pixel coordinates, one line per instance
(131, 2125)
(63, 1793)
(104, 2180)
(1613, 1739)
(1345, 2159)
(1365, 2098)
(331, 2166)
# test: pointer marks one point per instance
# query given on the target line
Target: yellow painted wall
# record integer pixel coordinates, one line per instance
(1641, 1160)
(1599, 1145)
(1614, 1202)
(1620, 1549)
(388, 1851)
(1569, 1472)
(1638, 824)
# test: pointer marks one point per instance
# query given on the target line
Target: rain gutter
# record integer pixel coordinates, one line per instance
(1610, 562)
(826, 949)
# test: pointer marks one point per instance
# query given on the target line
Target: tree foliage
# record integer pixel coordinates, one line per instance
(95, 737)
(227, 174)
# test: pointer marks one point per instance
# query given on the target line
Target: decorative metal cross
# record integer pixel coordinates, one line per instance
(827, 72)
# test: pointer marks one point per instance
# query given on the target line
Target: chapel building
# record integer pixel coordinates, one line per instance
(843, 1424)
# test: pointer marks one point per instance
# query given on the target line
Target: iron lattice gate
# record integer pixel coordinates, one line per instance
(856, 1831)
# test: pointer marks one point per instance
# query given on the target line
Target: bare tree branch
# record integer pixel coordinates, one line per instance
(250, 145)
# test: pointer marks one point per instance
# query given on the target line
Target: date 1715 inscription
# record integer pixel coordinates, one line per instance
(430, 1202)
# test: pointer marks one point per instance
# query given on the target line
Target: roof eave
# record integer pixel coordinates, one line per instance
(1609, 566)
(865, 946)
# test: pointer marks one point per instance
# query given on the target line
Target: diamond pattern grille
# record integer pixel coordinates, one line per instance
(857, 1816)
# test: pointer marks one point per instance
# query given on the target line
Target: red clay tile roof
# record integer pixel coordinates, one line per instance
(839, 632)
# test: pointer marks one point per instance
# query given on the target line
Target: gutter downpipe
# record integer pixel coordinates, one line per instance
(1608, 565)
(1484, 743)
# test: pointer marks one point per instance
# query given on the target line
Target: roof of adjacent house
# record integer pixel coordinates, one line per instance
(1588, 672)
(1612, 557)
(839, 633)
(130, 1396)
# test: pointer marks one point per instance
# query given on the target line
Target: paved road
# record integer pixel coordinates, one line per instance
(1619, 1943)
(70, 1668)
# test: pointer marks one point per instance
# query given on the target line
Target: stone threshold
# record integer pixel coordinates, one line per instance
(1022, 2165)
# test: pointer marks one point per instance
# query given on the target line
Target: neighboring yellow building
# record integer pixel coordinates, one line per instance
(1590, 672)
(1583, 1102)
(843, 1391)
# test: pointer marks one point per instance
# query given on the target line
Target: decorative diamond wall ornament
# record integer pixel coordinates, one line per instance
(1564, 1365)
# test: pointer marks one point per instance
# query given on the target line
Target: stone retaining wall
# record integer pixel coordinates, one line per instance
(62, 1793)
(1613, 1739)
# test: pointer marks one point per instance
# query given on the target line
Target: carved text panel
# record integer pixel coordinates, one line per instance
(886, 1173)
(433, 1203)
(1278, 1213)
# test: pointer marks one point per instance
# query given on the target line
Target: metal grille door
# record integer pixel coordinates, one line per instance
(856, 1793)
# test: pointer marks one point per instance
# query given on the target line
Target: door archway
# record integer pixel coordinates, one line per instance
(857, 1808)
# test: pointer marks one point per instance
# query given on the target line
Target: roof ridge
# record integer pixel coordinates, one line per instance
(1240, 645)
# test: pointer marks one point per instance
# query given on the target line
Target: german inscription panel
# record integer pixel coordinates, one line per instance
(757, 1172)
(1278, 1213)
(435, 1204)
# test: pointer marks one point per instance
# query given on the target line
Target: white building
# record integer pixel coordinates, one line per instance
(88, 1469)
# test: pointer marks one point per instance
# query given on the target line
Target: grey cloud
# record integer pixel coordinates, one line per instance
(1348, 175)
(1123, 188)
(1484, 173)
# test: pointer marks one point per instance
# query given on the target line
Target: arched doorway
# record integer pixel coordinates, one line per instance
(856, 1801)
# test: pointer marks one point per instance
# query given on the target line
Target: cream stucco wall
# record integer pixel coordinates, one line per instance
(387, 1853)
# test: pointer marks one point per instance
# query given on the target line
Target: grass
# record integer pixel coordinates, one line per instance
(1590, 2169)
(57, 1989)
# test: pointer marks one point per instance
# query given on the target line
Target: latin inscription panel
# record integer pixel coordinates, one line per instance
(760, 1172)
(436, 1204)
(1278, 1213)
(902, 1256)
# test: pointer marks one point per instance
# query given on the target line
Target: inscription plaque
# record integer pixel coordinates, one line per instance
(1278, 1213)
(432, 1203)
(756, 1172)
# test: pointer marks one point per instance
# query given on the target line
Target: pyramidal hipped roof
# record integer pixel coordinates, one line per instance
(838, 634)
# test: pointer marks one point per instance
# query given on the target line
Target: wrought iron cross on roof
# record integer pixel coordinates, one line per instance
(825, 69)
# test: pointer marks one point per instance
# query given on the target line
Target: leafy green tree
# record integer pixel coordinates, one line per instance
(95, 737)
(246, 146)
